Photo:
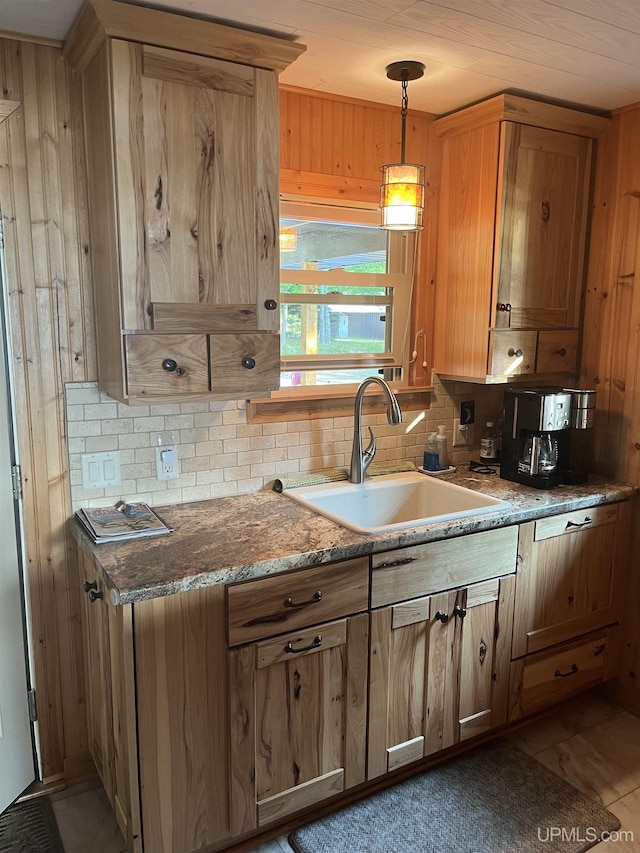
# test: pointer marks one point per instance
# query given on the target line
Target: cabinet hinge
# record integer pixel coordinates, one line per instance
(31, 701)
(16, 482)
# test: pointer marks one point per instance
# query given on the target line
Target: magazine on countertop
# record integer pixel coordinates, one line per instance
(123, 521)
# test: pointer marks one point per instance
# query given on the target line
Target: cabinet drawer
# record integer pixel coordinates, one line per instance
(424, 569)
(244, 363)
(164, 365)
(548, 677)
(294, 600)
(505, 349)
(572, 522)
(557, 351)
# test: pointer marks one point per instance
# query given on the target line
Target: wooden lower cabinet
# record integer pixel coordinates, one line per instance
(298, 713)
(439, 671)
(546, 678)
(566, 582)
(110, 695)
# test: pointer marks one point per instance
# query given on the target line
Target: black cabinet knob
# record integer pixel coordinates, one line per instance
(562, 352)
(270, 304)
(442, 617)
(169, 364)
(94, 596)
(87, 586)
(249, 362)
(459, 611)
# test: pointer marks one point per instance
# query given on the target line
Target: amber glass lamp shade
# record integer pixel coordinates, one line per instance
(402, 197)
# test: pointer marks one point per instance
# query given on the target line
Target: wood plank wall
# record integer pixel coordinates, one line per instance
(43, 208)
(611, 350)
(333, 147)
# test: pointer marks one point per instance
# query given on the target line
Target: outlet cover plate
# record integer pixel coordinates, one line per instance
(463, 436)
(100, 470)
(167, 462)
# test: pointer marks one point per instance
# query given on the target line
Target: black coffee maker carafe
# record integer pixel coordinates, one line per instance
(535, 437)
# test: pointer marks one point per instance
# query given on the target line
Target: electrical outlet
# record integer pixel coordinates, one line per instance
(467, 413)
(166, 462)
(463, 434)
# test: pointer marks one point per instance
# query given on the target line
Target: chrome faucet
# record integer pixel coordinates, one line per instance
(361, 459)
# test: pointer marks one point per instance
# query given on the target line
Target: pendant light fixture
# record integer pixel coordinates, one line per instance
(402, 187)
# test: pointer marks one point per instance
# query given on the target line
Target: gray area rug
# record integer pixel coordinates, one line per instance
(30, 828)
(494, 799)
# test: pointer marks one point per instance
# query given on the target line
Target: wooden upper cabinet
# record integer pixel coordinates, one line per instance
(196, 186)
(540, 227)
(182, 157)
(511, 238)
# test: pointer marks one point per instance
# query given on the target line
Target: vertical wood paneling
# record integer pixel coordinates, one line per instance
(611, 352)
(42, 199)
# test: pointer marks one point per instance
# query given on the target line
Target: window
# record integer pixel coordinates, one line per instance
(344, 295)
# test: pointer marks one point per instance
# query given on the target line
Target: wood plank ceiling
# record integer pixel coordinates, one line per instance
(580, 51)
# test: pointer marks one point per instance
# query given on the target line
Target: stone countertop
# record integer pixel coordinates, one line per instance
(227, 540)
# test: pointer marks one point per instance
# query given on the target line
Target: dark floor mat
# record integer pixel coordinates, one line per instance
(30, 828)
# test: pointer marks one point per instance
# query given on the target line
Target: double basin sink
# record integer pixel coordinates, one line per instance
(394, 502)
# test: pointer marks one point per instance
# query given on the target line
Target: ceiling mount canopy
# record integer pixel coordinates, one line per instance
(402, 187)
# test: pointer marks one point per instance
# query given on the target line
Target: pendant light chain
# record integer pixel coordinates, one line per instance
(403, 113)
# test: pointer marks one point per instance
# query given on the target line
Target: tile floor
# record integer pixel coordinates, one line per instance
(591, 743)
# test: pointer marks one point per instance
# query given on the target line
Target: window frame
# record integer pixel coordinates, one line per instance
(401, 261)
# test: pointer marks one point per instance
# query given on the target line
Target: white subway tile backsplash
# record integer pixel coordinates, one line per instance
(221, 454)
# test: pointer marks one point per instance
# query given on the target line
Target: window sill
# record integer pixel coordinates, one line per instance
(330, 402)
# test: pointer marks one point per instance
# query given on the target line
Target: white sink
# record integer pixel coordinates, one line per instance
(394, 501)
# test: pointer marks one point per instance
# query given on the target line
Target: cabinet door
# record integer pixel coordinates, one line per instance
(566, 577)
(541, 226)
(298, 720)
(109, 679)
(196, 152)
(439, 672)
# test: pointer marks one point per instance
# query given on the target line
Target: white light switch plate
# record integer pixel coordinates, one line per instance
(100, 470)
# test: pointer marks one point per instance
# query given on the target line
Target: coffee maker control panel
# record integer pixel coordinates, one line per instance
(556, 412)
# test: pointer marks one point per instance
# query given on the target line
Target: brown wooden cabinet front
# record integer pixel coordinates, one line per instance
(540, 228)
(566, 577)
(511, 241)
(439, 672)
(298, 710)
(182, 154)
(108, 656)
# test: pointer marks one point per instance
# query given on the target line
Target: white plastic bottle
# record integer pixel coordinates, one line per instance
(489, 444)
(441, 444)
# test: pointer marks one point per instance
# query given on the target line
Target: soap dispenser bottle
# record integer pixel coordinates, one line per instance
(430, 460)
(441, 444)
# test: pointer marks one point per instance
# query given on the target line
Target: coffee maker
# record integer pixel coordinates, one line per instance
(535, 437)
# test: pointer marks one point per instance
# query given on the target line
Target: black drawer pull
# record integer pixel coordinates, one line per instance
(459, 611)
(94, 596)
(442, 617)
(572, 671)
(249, 363)
(314, 644)
(586, 521)
(317, 596)
(562, 352)
(504, 306)
(169, 364)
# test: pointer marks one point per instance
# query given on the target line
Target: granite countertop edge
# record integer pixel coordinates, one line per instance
(228, 540)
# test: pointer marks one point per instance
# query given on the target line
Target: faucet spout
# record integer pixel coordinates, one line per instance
(361, 459)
